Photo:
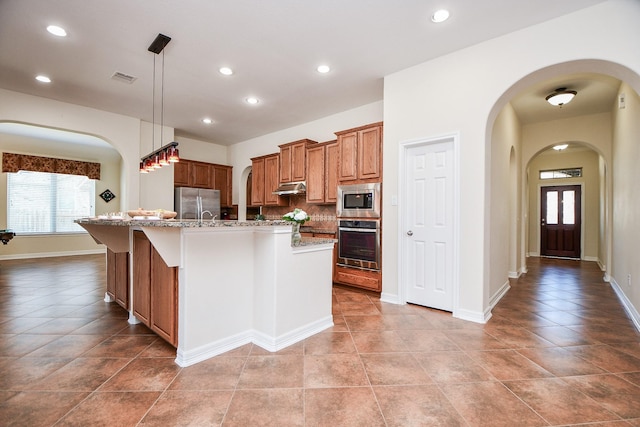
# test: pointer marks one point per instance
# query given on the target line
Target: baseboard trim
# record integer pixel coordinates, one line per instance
(274, 344)
(495, 299)
(390, 298)
(626, 303)
(269, 343)
(53, 254)
(473, 316)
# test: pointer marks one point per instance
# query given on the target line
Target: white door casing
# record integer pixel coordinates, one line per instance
(428, 223)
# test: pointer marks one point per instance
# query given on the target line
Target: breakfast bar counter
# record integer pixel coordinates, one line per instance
(237, 282)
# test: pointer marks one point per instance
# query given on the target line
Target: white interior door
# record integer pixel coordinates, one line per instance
(428, 221)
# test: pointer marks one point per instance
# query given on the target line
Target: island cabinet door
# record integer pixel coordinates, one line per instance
(155, 290)
(141, 277)
(118, 277)
(164, 299)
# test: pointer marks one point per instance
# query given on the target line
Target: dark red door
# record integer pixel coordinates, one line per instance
(560, 221)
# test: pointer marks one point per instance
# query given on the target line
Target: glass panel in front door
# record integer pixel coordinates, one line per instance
(552, 207)
(568, 207)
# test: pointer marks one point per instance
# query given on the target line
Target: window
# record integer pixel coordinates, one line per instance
(561, 173)
(48, 203)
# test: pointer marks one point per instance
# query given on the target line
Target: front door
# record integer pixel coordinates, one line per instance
(560, 221)
(428, 263)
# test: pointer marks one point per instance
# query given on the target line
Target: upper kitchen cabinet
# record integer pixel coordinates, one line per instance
(360, 154)
(265, 174)
(322, 173)
(181, 174)
(293, 160)
(191, 173)
(222, 180)
(257, 181)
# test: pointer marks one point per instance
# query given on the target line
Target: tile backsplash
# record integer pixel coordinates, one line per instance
(322, 216)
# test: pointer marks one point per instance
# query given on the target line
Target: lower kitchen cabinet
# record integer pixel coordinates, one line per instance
(155, 290)
(118, 277)
(365, 279)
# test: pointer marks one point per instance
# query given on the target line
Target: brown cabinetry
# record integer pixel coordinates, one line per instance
(322, 178)
(257, 181)
(201, 175)
(265, 178)
(222, 177)
(155, 290)
(365, 279)
(293, 160)
(360, 154)
(191, 173)
(118, 277)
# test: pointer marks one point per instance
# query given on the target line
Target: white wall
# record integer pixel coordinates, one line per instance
(122, 132)
(504, 208)
(464, 92)
(626, 198)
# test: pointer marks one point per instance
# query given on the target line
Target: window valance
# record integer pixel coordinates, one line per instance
(16, 162)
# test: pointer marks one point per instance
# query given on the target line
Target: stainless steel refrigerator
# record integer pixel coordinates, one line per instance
(197, 203)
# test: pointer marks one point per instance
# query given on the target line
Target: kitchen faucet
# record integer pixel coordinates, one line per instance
(213, 217)
(200, 212)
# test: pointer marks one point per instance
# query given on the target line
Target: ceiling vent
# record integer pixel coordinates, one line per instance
(122, 77)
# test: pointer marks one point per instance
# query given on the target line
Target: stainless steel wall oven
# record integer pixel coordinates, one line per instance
(359, 244)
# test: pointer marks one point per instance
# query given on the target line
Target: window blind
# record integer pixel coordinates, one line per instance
(40, 202)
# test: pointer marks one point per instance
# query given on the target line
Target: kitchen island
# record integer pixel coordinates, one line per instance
(237, 282)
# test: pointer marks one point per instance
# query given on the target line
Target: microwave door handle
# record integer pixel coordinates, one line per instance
(359, 230)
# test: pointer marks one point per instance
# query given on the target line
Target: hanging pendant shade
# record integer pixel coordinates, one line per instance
(169, 153)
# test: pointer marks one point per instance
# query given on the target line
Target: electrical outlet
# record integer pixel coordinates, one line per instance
(629, 280)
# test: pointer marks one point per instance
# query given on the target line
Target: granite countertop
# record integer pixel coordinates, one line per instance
(185, 223)
(192, 223)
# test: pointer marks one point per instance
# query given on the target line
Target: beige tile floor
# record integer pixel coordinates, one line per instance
(558, 351)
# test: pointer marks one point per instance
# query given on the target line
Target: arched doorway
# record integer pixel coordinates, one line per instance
(35, 140)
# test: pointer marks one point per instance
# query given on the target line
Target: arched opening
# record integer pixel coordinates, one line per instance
(35, 140)
(603, 132)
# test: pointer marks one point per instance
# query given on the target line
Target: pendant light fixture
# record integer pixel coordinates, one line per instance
(166, 154)
(560, 97)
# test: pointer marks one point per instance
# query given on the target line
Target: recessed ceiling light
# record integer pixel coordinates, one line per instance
(207, 121)
(57, 31)
(43, 79)
(560, 147)
(251, 100)
(440, 15)
(226, 71)
(323, 69)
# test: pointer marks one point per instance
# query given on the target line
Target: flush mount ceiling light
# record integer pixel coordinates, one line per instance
(166, 154)
(323, 69)
(226, 71)
(440, 16)
(560, 147)
(560, 96)
(43, 79)
(57, 31)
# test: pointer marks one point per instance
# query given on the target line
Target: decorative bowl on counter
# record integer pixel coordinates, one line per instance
(147, 214)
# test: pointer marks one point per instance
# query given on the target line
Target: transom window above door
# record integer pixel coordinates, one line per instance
(561, 173)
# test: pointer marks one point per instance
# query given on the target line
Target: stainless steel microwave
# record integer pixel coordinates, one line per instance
(358, 201)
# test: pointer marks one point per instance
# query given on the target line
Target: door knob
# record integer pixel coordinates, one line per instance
(409, 233)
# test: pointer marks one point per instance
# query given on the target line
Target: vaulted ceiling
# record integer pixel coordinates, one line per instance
(272, 47)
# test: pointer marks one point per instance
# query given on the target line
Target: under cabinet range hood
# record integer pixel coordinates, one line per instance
(289, 188)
